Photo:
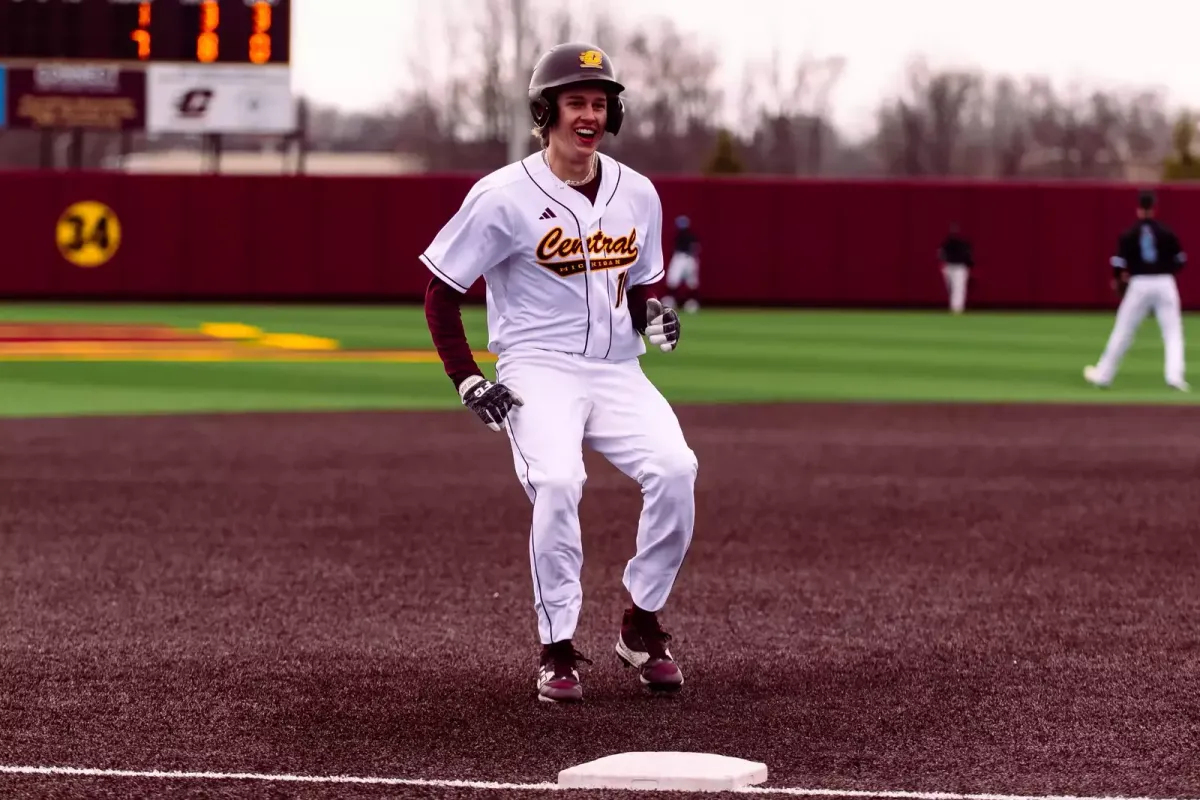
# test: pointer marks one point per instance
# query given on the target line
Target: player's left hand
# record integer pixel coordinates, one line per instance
(662, 325)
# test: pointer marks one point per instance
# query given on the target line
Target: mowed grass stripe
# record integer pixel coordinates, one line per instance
(726, 356)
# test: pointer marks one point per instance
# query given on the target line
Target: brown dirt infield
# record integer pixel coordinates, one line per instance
(954, 599)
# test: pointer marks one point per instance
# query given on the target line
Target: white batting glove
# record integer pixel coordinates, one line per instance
(662, 325)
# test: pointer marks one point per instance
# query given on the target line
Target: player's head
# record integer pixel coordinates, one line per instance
(574, 88)
(682, 222)
(1146, 203)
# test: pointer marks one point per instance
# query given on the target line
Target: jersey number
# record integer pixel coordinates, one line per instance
(1149, 246)
(622, 279)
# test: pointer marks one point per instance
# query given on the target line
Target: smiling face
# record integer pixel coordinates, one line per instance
(582, 115)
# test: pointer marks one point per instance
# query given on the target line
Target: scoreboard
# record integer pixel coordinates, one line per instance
(246, 32)
(160, 66)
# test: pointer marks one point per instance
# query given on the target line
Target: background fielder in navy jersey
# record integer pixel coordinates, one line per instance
(957, 261)
(683, 271)
(1148, 256)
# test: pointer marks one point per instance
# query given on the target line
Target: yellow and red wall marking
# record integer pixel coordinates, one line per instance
(217, 341)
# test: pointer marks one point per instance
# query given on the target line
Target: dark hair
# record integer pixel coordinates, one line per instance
(1146, 199)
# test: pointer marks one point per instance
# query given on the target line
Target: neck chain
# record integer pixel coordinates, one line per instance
(587, 179)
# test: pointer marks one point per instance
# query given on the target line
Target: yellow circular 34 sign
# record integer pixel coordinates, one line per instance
(88, 234)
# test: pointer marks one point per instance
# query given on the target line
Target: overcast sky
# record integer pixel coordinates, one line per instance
(355, 53)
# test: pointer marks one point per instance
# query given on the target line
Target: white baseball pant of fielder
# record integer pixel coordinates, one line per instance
(1145, 294)
(957, 276)
(558, 270)
(684, 270)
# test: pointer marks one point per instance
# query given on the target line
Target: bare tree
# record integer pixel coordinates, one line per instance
(1102, 150)
(1147, 127)
(900, 138)
(1055, 128)
(1009, 125)
(469, 111)
(492, 92)
(790, 109)
(948, 96)
(925, 129)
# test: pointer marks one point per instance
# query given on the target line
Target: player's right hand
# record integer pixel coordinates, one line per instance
(491, 402)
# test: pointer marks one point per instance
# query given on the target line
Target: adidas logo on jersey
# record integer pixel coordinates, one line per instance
(548, 214)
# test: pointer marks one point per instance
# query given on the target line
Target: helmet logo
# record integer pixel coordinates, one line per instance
(591, 59)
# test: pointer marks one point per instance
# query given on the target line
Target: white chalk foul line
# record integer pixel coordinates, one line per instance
(525, 787)
(906, 795)
(283, 778)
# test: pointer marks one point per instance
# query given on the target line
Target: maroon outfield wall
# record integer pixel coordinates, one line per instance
(765, 241)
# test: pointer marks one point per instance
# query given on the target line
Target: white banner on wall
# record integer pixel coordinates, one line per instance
(219, 98)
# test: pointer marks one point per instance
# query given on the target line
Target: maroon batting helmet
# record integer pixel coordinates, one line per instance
(573, 64)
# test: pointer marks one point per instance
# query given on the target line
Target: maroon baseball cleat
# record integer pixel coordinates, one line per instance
(558, 673)
(643, 644)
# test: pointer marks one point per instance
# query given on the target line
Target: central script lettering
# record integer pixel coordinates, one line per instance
(564, 254)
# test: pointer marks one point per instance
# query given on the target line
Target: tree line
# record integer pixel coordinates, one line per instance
(943, 122)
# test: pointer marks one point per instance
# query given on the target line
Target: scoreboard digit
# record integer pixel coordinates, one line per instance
(147, 31)
(208, 42)
(141, 34)
(260, 38)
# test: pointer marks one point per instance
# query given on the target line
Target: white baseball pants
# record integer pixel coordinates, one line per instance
(1146, 293)
(683, 269)
(612, 407)
(957, 276)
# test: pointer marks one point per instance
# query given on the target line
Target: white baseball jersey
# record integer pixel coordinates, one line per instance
(557, 268)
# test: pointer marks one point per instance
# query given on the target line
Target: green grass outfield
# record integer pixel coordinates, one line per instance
(726, 356)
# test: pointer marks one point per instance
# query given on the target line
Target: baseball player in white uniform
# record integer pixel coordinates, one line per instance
(683, 270)
(568, 241)
(957, 260)
(1147, 259)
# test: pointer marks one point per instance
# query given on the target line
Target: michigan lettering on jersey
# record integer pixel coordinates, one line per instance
(563, 255)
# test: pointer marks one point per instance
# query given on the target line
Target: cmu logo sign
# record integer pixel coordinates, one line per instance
(194, 103)
(591, 59)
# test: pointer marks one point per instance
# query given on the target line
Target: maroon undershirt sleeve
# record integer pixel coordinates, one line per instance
(638, 295)
(443, 315)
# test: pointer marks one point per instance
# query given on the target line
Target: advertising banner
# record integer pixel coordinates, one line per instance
(96, 96)
(220, 98)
